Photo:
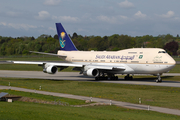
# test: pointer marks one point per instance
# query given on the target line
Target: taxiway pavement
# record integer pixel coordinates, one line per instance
(77, 77)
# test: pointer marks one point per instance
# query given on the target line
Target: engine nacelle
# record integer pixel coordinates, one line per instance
(91, 72)
(50, 69)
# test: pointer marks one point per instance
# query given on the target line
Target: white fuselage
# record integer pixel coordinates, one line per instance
(135, 60)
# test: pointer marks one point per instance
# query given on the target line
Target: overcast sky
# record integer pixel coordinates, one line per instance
(90, 17)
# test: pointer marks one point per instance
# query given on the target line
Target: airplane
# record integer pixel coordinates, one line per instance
(104, 65)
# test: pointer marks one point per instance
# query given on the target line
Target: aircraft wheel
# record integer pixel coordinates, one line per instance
(128, 78)
(112, 78)
(159, 78)
(96, 78)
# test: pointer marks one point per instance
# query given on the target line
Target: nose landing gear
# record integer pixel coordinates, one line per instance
(159, 78)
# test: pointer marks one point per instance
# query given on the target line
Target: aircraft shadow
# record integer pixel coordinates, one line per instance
(91, 79)
(146, 79)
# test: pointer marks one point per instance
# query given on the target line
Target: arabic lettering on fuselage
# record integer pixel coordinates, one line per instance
(115, 57)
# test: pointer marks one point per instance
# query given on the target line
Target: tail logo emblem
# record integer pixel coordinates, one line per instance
(61, 39)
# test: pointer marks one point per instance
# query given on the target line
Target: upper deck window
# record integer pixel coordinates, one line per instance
(162, 52)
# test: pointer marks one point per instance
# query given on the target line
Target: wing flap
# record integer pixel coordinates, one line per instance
(119, 68)
(67, 64)
(104, 67)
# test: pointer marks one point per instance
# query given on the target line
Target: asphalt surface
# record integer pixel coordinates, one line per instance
(77, 77)
(99, 100)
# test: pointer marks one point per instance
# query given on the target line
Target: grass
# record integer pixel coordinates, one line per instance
(150, 95)
(32, 111)
(31, 58)
(20, 67)
(176, 58)
(44, 97)
(176, 69)
(24, 67)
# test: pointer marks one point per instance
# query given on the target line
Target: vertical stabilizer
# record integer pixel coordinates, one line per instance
(64, 40)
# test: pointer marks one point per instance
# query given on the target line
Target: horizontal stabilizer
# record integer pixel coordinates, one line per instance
(47, 54)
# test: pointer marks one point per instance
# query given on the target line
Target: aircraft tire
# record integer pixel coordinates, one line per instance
(96, 78)
(157, 81)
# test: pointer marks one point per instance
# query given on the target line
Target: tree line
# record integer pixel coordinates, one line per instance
(49, 44)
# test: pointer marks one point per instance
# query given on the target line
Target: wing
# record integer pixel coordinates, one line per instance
(58, 64)
(86, 69)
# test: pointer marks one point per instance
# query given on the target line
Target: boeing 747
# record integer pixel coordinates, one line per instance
(106, 64)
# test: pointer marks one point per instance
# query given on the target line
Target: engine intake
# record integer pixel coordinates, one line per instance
(50, 69)
(91, 72)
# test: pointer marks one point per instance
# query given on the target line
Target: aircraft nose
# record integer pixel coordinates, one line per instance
(173, 62)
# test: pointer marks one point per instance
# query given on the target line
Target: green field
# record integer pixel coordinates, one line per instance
(47, 98)
(29, 110)
(31, 58)
(176, 58)
(24, 67)
(33, 111)
(150, 95)
(176, 69)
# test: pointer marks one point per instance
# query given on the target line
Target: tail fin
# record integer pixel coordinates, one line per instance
(64, 40)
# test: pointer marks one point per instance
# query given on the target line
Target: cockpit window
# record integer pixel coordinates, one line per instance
(162, 52)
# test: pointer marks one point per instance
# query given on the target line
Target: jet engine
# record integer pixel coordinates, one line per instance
(91, 72)
(50, 69)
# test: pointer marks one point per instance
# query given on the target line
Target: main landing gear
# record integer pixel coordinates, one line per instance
(127, 77)
(101, 78)
(159, 78)
(109, 76)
